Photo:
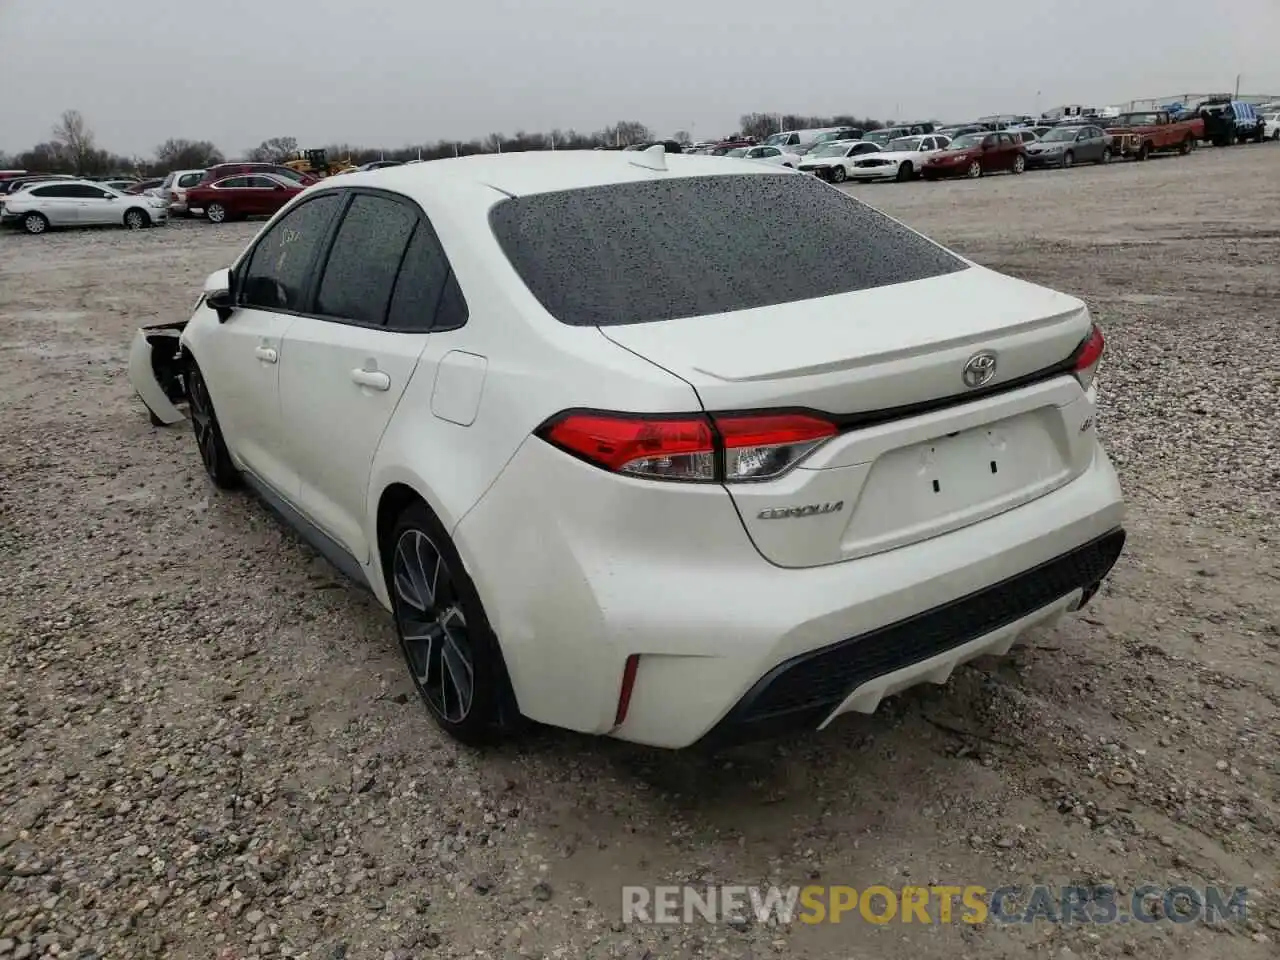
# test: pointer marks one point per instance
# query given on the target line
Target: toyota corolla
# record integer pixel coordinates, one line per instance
(622, 448)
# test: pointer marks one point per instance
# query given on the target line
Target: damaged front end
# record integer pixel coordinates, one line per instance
(158, 371)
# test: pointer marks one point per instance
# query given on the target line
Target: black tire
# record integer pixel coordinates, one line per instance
(1276, 136)
(1144, 151)
(136, 218)
(974, 170)
(217, 213)
(1185, 146)
(208, 433)
(424, 631)
(35, 223)
(1068, 159)
(1019, 165)
(1106, 155)
(839, 174)
(905, 171)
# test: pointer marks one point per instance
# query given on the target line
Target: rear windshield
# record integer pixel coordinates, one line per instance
(659, 250)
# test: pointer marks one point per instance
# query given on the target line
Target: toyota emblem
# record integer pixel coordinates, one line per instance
(979, 370)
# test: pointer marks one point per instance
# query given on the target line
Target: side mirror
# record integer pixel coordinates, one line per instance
(217, 294)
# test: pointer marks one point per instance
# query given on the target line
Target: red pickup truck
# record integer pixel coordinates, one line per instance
(1143, 133)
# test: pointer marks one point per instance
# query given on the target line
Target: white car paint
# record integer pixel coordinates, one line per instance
(834, 161)
(79, 203)
(766, 154)
(598, 580)
(1271, 129)
(889, 164)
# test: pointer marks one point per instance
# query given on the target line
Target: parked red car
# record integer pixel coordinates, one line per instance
(218, 171)
(248, 195)
(975, 154)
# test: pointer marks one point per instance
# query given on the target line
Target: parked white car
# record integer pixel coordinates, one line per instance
(771, 459)
(834, 161)
(764, 154)
(175, 188)
(1271, 128)
(80, 203)
(899, 160)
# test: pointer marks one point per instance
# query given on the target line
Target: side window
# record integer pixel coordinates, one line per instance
(82, 191)
(189, 180)
(418, 303)
(865, 148)
(49, 192)
(232, 182)
(279, 267)
(261, 181)
(367, 249)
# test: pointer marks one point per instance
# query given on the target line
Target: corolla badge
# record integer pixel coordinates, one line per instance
(979, 369)
(808, 510)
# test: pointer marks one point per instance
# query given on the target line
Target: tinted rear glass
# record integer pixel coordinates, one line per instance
(658, 250)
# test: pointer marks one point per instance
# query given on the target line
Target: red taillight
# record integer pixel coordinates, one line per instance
(1088, 354)
(697, 447)
(763, 446)
(665, 448)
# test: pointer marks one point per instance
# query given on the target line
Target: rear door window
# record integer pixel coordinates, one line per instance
(361, 270)
(659, 250)
(427, 296)
(277, 274)
(188, 180)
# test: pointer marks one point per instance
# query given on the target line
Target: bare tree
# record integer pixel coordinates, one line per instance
(274, 150)
(187, 155)
(682, 136)
(75, 141)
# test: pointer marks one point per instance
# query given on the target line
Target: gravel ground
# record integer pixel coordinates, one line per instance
(209, 748)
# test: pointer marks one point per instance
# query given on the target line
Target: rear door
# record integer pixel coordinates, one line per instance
(57, 202)
(351, 358)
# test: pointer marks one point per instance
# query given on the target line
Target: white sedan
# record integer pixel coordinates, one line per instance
(766, 154)
(834, 161)
(80, 203)
(1271, 128)
(899, 160)
(598, 430)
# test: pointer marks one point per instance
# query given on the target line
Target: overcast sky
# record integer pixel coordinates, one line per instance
(391, 72)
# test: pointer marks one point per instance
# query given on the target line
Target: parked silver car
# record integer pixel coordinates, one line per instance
(1067, 146)
(80, 203)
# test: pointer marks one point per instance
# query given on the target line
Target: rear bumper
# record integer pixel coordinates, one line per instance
(812, 689)
(605, 567)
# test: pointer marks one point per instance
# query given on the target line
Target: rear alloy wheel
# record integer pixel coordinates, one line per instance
(839, 174)
(905, 171)
(1106, 155)
(1068, 159)
(35, 223)
(444, 633)
(216, 213)
(209, 439)
(1019, 163)
(136, 220)
(974, 170)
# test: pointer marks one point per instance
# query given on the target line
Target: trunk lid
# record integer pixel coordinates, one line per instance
(916, 456)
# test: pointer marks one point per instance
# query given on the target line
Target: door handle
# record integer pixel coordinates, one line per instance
(265, 353)
(374, 379)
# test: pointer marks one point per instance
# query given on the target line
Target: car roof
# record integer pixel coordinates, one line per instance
(550, 171)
